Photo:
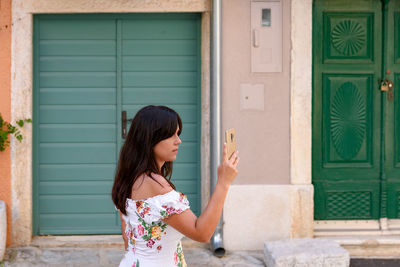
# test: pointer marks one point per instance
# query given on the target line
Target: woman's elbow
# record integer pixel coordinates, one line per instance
(203, 238)
(206, 240)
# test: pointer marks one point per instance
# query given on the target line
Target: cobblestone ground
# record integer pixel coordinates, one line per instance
(105, 257)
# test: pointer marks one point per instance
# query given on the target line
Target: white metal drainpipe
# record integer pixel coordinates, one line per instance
(217, 238)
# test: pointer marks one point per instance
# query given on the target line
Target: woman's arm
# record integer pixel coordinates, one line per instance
(123, 225)
(201, 229)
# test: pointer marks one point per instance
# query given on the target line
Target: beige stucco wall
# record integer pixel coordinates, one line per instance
(262, 136)
(273, 195)
(274, 144)
(254, 214)
(22, 88)
(107, 6)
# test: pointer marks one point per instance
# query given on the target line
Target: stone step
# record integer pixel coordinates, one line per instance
(305, 252)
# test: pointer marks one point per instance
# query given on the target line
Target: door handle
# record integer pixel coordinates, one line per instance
(124, 121)
(387, 86)
(256, 42)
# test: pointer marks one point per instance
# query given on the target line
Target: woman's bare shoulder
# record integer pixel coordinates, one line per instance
(147, 186)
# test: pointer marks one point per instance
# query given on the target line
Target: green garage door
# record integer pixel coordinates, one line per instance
(88, 70)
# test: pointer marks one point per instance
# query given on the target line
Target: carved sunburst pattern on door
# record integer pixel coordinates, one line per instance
(348, 121)
(348, 37)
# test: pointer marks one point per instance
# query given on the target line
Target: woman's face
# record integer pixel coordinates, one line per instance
(167, 149)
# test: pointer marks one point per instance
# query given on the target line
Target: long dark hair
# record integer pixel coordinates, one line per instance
(150, 125)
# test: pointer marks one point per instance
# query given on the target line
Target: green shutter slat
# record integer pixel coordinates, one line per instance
(159, 29)
(185, 170)
(70, 153)
(77, 96)
(159, 63)
(159, 48)
(77, 47)
(187, 153)
(75, 204)
(77, 63)
(71, 133)
(187, 95)
(76, 187)
(188, 186)
(77, 114)
(76, 172)
(60, 29)
(60, 222)
(137, 79)
(77, 79)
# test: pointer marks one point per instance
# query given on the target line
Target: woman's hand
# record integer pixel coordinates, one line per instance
(227, 170)
(202, 228)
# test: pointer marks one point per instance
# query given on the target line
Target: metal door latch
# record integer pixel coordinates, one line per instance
(124, 121)
(387, 86)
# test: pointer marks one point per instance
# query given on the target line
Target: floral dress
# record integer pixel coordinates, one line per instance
(152, 242)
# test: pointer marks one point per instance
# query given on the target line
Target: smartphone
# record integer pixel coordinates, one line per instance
(230, 138)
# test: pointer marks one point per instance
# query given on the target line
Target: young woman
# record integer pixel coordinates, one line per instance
(154, 216)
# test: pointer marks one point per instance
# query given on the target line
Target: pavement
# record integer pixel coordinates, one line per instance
(104, 257)
(56, 253)
(105, 251)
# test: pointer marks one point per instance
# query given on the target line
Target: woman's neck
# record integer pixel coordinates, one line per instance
(160, 164)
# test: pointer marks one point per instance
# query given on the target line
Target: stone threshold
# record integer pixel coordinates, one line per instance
(382, 226)
(91, 241)
(372, 246)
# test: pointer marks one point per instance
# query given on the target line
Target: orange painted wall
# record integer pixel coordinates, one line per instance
(5, 104)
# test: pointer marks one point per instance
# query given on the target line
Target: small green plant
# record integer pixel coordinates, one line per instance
(7, 128)
(2, 264)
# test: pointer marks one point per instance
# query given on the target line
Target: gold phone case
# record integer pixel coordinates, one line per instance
(230, 138)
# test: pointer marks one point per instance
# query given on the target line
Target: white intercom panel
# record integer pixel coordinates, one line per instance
(266, 36)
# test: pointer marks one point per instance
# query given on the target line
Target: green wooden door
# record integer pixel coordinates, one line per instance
(392, 111)
(355, 130)
(87, 70)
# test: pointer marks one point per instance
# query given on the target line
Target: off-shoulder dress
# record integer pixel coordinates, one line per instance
(152, 242)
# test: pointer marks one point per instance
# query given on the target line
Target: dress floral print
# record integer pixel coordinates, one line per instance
(152, 242)
(151, 233)
(179, 259)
